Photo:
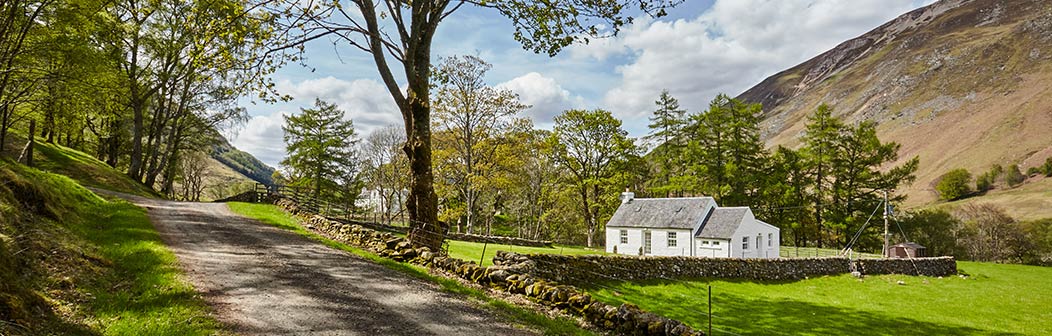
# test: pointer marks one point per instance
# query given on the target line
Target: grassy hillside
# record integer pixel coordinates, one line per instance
(77, 165)
(992, 299)
(241, 162)
(961, 84)
(1030, 201)
(72, 263)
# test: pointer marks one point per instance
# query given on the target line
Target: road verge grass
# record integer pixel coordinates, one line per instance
(473, 251)
(274, 216)
(86, 265)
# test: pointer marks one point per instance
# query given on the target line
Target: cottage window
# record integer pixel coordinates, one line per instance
(770, 237)
(745, 243)
(624, 236)
(672, 239)
(704, 242)
(715, 243)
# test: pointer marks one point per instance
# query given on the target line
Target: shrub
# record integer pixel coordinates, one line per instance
(1047, 167)
(984, 182)
(1013, 176)
(954, 184)
(1033, 171)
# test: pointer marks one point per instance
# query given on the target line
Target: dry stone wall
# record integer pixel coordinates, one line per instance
(625, 319)
(591, 269)
(940, 266)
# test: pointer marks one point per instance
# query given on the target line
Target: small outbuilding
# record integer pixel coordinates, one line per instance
(907, 250)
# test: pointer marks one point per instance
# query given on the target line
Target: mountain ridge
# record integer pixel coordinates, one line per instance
(959, 83)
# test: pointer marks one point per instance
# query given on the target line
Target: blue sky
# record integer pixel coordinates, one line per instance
(701, 49)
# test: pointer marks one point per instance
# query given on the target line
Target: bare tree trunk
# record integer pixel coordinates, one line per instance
(587, 213)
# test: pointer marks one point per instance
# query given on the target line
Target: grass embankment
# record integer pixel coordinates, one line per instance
(74, 263)
(993, 299)
(78, 166)
(473, 251)
(272, 215)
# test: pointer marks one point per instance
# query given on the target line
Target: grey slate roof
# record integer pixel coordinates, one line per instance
(722, 222)
(678, 213)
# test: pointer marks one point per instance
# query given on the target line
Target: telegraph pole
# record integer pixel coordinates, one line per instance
(886, 247)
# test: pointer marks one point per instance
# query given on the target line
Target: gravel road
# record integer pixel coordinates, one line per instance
(263, 280)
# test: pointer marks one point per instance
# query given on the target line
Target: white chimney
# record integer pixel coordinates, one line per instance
(627, 196)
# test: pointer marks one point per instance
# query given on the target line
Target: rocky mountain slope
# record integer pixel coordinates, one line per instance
(959, 83)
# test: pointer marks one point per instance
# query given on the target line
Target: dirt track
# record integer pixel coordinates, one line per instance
(266, 281)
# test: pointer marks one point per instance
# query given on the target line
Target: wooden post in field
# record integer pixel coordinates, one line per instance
(27, 153)
(710, 310)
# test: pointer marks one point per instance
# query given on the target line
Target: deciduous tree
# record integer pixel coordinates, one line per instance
(592, 146)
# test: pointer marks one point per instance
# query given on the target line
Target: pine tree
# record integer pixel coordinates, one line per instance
(666, 128)
(320, 145)
(726, 151)
(821, 134)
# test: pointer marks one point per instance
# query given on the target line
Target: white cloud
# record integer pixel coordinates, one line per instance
(263, 138)
(546, 97)
(365, 101)
(729, 47)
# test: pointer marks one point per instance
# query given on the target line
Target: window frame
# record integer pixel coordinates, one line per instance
(745, 243)
(672, 239)
(624, 236)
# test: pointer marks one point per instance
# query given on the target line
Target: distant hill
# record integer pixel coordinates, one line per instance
(959, 83)
(241, 162)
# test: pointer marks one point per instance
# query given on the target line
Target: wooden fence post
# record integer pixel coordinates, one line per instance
(27, 153)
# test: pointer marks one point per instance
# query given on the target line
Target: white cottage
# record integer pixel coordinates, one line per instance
(689, 226)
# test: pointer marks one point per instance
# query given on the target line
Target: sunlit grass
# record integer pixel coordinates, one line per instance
(108, 254)
(473, 251)
(993, 299)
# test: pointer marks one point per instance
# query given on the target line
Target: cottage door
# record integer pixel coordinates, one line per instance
(759, 247)
(646, 242)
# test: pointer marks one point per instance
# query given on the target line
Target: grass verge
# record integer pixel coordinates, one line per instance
(85, 265)
(993, 299)
(474, 251)
(272, 215)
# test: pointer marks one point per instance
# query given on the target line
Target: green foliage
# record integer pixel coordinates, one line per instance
(1013, 177)
(471, 150)
(955, 184)
(984, 182)
(849, 169)
(992, 299)
(726, 152)
(320, 146)
(593, 147)
(667, 128)
(1047, 167)
(551, 27)
(934, 229)
(1033, 171)
(1039, 234)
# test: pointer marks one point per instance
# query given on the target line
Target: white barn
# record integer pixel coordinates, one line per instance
(690, 226)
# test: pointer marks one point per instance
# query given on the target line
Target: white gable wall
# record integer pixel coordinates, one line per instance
(755, 231)
(712, 248)
(659, 242)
